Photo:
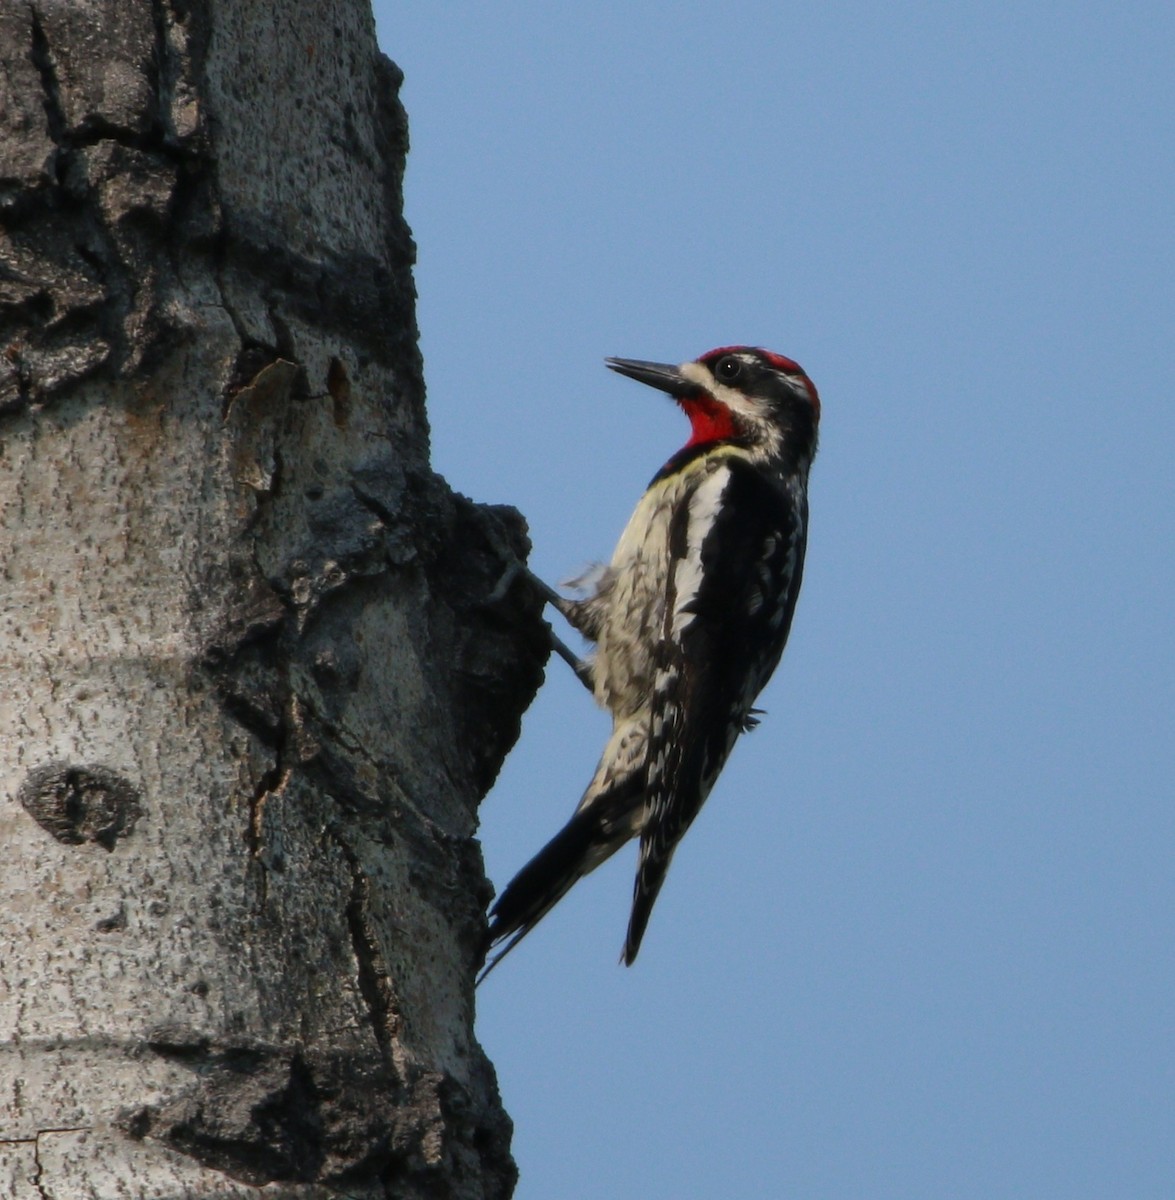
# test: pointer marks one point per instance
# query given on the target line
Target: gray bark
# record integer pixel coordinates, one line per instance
(250, 689)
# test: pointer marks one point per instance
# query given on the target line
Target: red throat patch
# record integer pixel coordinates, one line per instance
(709, 420)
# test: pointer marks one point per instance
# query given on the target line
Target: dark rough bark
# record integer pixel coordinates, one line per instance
(252, 691)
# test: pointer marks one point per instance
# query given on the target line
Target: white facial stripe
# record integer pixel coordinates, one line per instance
(696, 373)
(745, 407)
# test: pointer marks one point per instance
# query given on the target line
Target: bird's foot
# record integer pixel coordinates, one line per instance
(517, 571)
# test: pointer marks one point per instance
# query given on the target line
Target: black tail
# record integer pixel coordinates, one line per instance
(541, 884)
(592, 835)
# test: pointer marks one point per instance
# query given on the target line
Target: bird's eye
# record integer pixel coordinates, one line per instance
(728, 369)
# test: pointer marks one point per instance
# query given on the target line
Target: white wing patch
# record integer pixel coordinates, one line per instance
(704, 506)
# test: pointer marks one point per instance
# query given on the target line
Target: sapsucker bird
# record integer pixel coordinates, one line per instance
(689, 621)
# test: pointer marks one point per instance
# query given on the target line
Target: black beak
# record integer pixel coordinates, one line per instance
(664, 376)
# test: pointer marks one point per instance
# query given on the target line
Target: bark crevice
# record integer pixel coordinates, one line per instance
(245, 624)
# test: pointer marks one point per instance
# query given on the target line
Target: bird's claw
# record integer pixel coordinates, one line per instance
(515, 571)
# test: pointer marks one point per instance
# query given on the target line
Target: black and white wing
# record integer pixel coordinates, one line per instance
(738, 546)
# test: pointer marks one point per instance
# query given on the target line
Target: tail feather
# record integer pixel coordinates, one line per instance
(540, 885)
(592, 835)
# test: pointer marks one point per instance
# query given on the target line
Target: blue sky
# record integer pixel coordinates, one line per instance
(919, 944)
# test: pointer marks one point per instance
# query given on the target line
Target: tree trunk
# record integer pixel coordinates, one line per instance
(251, 691)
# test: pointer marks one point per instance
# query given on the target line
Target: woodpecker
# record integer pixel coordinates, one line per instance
(689, 621)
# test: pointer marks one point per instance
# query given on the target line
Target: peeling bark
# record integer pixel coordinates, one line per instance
(251, 692)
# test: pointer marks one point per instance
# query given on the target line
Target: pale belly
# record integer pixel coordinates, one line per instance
(637, 597)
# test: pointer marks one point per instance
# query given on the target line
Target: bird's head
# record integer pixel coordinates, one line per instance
(742, 396)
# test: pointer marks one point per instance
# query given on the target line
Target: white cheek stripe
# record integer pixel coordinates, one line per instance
(731, 397)
(751, 411)
(704, 507)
